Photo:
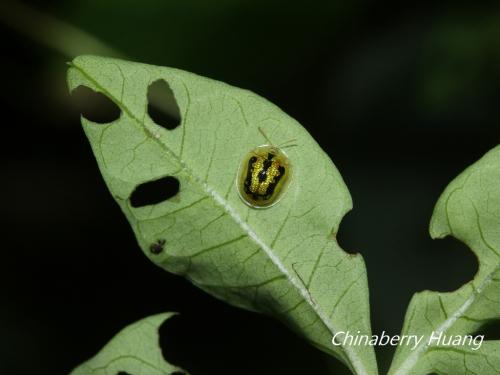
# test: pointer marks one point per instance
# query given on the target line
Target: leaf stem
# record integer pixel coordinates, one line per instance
(47, 30)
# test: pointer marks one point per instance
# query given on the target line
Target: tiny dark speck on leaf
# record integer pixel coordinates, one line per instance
(157, 247)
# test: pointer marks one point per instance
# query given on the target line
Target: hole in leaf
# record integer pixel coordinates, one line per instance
(490, 331)
(166, 334)
(340, 235)
(154, 192)
(450, 254)
(95, 106)
(162, 106)
(123, 373)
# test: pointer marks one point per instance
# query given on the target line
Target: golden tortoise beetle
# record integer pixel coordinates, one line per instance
(264, 174)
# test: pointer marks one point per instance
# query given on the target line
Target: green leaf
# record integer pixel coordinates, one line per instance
(468, 210)
(134, 350)
(283, 260)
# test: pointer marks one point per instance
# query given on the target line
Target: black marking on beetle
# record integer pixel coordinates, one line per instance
(157, 247)
(248, 178)
(262, 176)
(272, 186)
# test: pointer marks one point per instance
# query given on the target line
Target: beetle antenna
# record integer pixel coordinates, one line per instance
(289, 141)
(265, 136)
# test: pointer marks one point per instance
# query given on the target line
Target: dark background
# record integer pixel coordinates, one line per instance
(401, 96)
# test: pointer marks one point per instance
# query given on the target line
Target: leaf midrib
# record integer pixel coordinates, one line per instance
(410, 361)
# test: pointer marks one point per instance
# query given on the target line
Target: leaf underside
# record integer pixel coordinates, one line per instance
(468, 210)
(134, 350)
(284, 260)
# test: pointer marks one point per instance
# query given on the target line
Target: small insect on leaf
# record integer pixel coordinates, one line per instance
(263, 176)
(157, 247)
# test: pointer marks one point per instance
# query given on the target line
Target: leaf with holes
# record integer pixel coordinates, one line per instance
(179, 188)
(469, 210)
(135, 350)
